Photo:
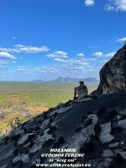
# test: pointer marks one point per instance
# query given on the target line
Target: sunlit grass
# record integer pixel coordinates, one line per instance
(37, 94)
(12, 119)
(20, 101)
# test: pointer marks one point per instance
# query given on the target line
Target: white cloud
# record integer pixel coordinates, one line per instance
(103, 61)
(46, 69)
(3, 62)
(112, 5)
(72, 61)
(116, 5)
(100, 54)
(21, 69)
(109, 7)
(121, 39)
(9, 50)
(80, 55)
(61, 60)
(71, 64)
(6, 55)
(58, 54)
(26, 49)
(24, 69)
(97, 54)
(89, 2)
(30, 49)
(109, 55)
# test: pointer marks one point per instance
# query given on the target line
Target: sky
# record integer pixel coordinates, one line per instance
(45, 39)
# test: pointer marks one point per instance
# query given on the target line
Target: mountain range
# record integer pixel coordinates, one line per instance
(69, 79)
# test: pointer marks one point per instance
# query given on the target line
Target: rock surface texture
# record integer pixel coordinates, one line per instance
(113, 73)
(94, 126)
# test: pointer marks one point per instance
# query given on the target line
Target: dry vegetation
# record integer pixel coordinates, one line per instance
(20, 101)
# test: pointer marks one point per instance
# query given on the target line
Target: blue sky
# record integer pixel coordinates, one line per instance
(45, 39)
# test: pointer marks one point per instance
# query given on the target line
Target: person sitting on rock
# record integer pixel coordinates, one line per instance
(81, 91)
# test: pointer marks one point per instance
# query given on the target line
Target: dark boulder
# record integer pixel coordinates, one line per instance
(113, 74)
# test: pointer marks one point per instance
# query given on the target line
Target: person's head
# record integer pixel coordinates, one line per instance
(81, 83)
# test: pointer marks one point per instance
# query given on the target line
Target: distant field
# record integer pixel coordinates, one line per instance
(24, 100)
(37, 94)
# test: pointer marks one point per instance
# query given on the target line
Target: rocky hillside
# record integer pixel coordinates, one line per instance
(89, 132)
(113, 73)
(93, 127)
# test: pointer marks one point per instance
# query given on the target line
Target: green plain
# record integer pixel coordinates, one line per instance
(17, 97)
(47, 94)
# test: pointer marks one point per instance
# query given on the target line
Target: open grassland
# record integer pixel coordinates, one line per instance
(20, 101)
(35, 94)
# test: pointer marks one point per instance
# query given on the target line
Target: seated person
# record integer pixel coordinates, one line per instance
(81, 90)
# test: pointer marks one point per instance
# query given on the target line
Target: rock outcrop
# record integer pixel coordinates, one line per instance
(90, 131)
(113, 74)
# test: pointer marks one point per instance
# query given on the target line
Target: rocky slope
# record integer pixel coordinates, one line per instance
(113, 73)
(92, 126)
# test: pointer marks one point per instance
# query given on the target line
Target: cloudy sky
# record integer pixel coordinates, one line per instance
(45, 39)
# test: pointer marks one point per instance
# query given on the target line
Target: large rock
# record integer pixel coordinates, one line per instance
(113, 74)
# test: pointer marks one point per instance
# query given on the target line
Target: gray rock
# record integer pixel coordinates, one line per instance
(36, 161)
(79, 138)
(119, 117)
(21, 132)
(27, 144)
(122, 123)
(121, 112)
(4, 166)
(8, 153)
(64, 109)
(107, 153)
(45, 124)
(122, 143)
(24, 158)
(83, 100)
(113, 144)
(123, 154)
(60, 110)
(105, 136)
(104, 163)
(39, 141)
(113, 74)
(36, 147)
(94, 118)
(100, 163)
(24, 139)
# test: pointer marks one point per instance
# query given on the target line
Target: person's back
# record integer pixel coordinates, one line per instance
(81, 90)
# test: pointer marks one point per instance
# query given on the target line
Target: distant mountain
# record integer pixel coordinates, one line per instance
(68, 79)
(38, 80)
(90, 79)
